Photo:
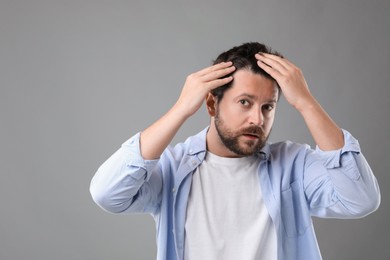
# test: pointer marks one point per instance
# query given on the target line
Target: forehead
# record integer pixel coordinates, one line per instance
(247, 82)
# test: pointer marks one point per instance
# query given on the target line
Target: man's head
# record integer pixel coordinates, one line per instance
(242, 112)
(243, 57)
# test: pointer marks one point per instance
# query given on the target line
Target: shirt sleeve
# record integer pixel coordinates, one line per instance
(340, 183)
(127, 183)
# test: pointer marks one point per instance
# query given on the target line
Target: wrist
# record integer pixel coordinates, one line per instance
(306, 104)
(179, 112)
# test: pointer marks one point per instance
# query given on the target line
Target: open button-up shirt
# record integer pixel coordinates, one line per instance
(297, 182)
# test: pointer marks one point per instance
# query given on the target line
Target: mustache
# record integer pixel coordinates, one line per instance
(253, 130)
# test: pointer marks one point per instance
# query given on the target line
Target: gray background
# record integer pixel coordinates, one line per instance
(80, 77)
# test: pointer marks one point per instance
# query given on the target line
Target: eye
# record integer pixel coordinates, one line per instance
(268, 107)
(245, 102)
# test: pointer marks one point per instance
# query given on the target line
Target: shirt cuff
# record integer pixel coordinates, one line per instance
(333, 158)
(142, 169)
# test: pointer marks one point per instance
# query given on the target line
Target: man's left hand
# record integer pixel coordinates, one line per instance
(289, 77)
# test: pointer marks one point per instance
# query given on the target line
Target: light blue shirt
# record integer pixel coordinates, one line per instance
(297, 182)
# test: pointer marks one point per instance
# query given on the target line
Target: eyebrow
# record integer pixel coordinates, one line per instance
(254, 97)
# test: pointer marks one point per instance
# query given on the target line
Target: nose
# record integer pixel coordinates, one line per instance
(256, 117)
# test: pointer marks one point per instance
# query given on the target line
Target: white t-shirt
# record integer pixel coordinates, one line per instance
(226, 216)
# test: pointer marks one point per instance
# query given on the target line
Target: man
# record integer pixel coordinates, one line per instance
(226, 193)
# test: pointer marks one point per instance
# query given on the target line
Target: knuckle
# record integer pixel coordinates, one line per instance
(297, 70)
(191, 76)
(216, 74)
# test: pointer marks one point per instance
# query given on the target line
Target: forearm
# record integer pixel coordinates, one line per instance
(325, 132)
(157, 137)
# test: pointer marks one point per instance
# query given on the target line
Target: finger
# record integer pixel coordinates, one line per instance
(281, 60)
(217, 74)
(276, 64)
(271, 56)
(274, 73)
(215, 67)
(218, 82)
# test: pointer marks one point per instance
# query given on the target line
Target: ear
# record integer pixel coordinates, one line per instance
(211, 104)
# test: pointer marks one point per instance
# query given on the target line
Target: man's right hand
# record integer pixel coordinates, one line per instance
(157, 137)
(200, 83)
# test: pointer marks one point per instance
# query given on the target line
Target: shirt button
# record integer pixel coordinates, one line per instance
(173, 190)
(193, 163)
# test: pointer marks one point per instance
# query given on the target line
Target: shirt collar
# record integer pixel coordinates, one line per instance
(266, 152)
(198, 142)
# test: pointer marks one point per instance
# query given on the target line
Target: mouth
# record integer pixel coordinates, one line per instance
(251, 136)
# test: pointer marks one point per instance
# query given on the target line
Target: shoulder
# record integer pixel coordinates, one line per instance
(286, 149)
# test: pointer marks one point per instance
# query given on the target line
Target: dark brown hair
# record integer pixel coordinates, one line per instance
(243, 57)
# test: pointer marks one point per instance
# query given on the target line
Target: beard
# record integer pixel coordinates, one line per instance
(231, 139)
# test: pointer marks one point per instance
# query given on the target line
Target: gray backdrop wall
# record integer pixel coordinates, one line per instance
(80, 77)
